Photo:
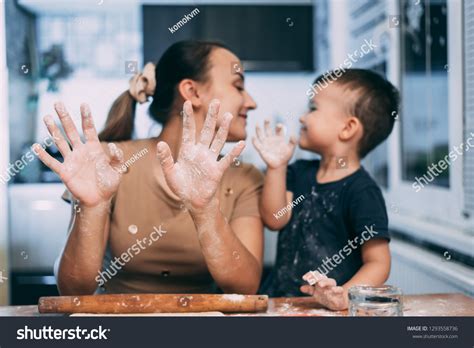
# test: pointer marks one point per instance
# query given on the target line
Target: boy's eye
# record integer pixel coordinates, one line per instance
(312, 108)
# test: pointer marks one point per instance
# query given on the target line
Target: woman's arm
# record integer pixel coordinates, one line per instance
(83, 253)
(92, 177)
(234, 261)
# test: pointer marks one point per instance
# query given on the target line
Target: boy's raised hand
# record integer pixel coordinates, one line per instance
(273, 148)
(325, 291)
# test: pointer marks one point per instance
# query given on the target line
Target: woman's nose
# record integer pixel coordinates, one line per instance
(249, 102)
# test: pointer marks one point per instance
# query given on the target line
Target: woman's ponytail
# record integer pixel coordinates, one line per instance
(120, 120)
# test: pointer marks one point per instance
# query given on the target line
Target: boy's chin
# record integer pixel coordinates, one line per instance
(308, 147)
(303, 144)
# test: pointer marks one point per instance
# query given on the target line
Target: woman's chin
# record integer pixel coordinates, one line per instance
(235, 136)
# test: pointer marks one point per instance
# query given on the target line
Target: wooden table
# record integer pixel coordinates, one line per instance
(414, 305)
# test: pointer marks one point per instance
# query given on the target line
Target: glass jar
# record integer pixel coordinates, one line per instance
(374, 301)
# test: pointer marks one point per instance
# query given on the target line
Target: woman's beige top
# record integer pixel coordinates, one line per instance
(170, 259)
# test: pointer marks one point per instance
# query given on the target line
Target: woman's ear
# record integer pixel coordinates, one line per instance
(188, 89)
(352, 128)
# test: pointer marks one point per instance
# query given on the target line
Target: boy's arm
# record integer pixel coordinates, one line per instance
(368, 209)
(376, 264)
(274, 197)
(276, 153)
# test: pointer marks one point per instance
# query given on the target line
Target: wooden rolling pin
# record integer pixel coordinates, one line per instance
(153, 303)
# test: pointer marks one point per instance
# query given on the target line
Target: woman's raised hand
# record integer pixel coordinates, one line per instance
(88, 173)
(196, 175)
(273, 148)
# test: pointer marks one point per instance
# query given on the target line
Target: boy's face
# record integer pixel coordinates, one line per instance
(321, 126)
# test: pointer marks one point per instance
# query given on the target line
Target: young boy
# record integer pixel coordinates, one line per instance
(338, 222)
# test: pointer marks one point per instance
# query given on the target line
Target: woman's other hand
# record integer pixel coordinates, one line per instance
(88, 173)
(196, 175)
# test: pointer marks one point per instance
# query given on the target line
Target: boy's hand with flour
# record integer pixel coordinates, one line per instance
(276, 152)
(273, 148)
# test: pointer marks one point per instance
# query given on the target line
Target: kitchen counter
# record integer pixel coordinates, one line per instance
(414, 305)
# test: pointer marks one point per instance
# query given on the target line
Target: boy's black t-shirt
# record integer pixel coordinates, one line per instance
(334, 218)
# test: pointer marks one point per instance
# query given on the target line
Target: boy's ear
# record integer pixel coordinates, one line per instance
(352, 128)
(189, 91)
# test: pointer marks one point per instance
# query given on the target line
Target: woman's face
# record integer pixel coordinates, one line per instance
(226, 83)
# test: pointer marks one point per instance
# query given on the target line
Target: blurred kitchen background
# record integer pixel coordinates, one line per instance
(86, 51)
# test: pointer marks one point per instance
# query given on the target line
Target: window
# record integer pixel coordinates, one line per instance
(91, 44)
(426, 61)
(424, 82)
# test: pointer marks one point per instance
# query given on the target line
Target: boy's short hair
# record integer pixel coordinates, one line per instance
(376, 105)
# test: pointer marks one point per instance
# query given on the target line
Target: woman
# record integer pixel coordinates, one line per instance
(206, 211)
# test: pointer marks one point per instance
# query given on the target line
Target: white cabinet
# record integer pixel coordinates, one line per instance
(39, 219)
